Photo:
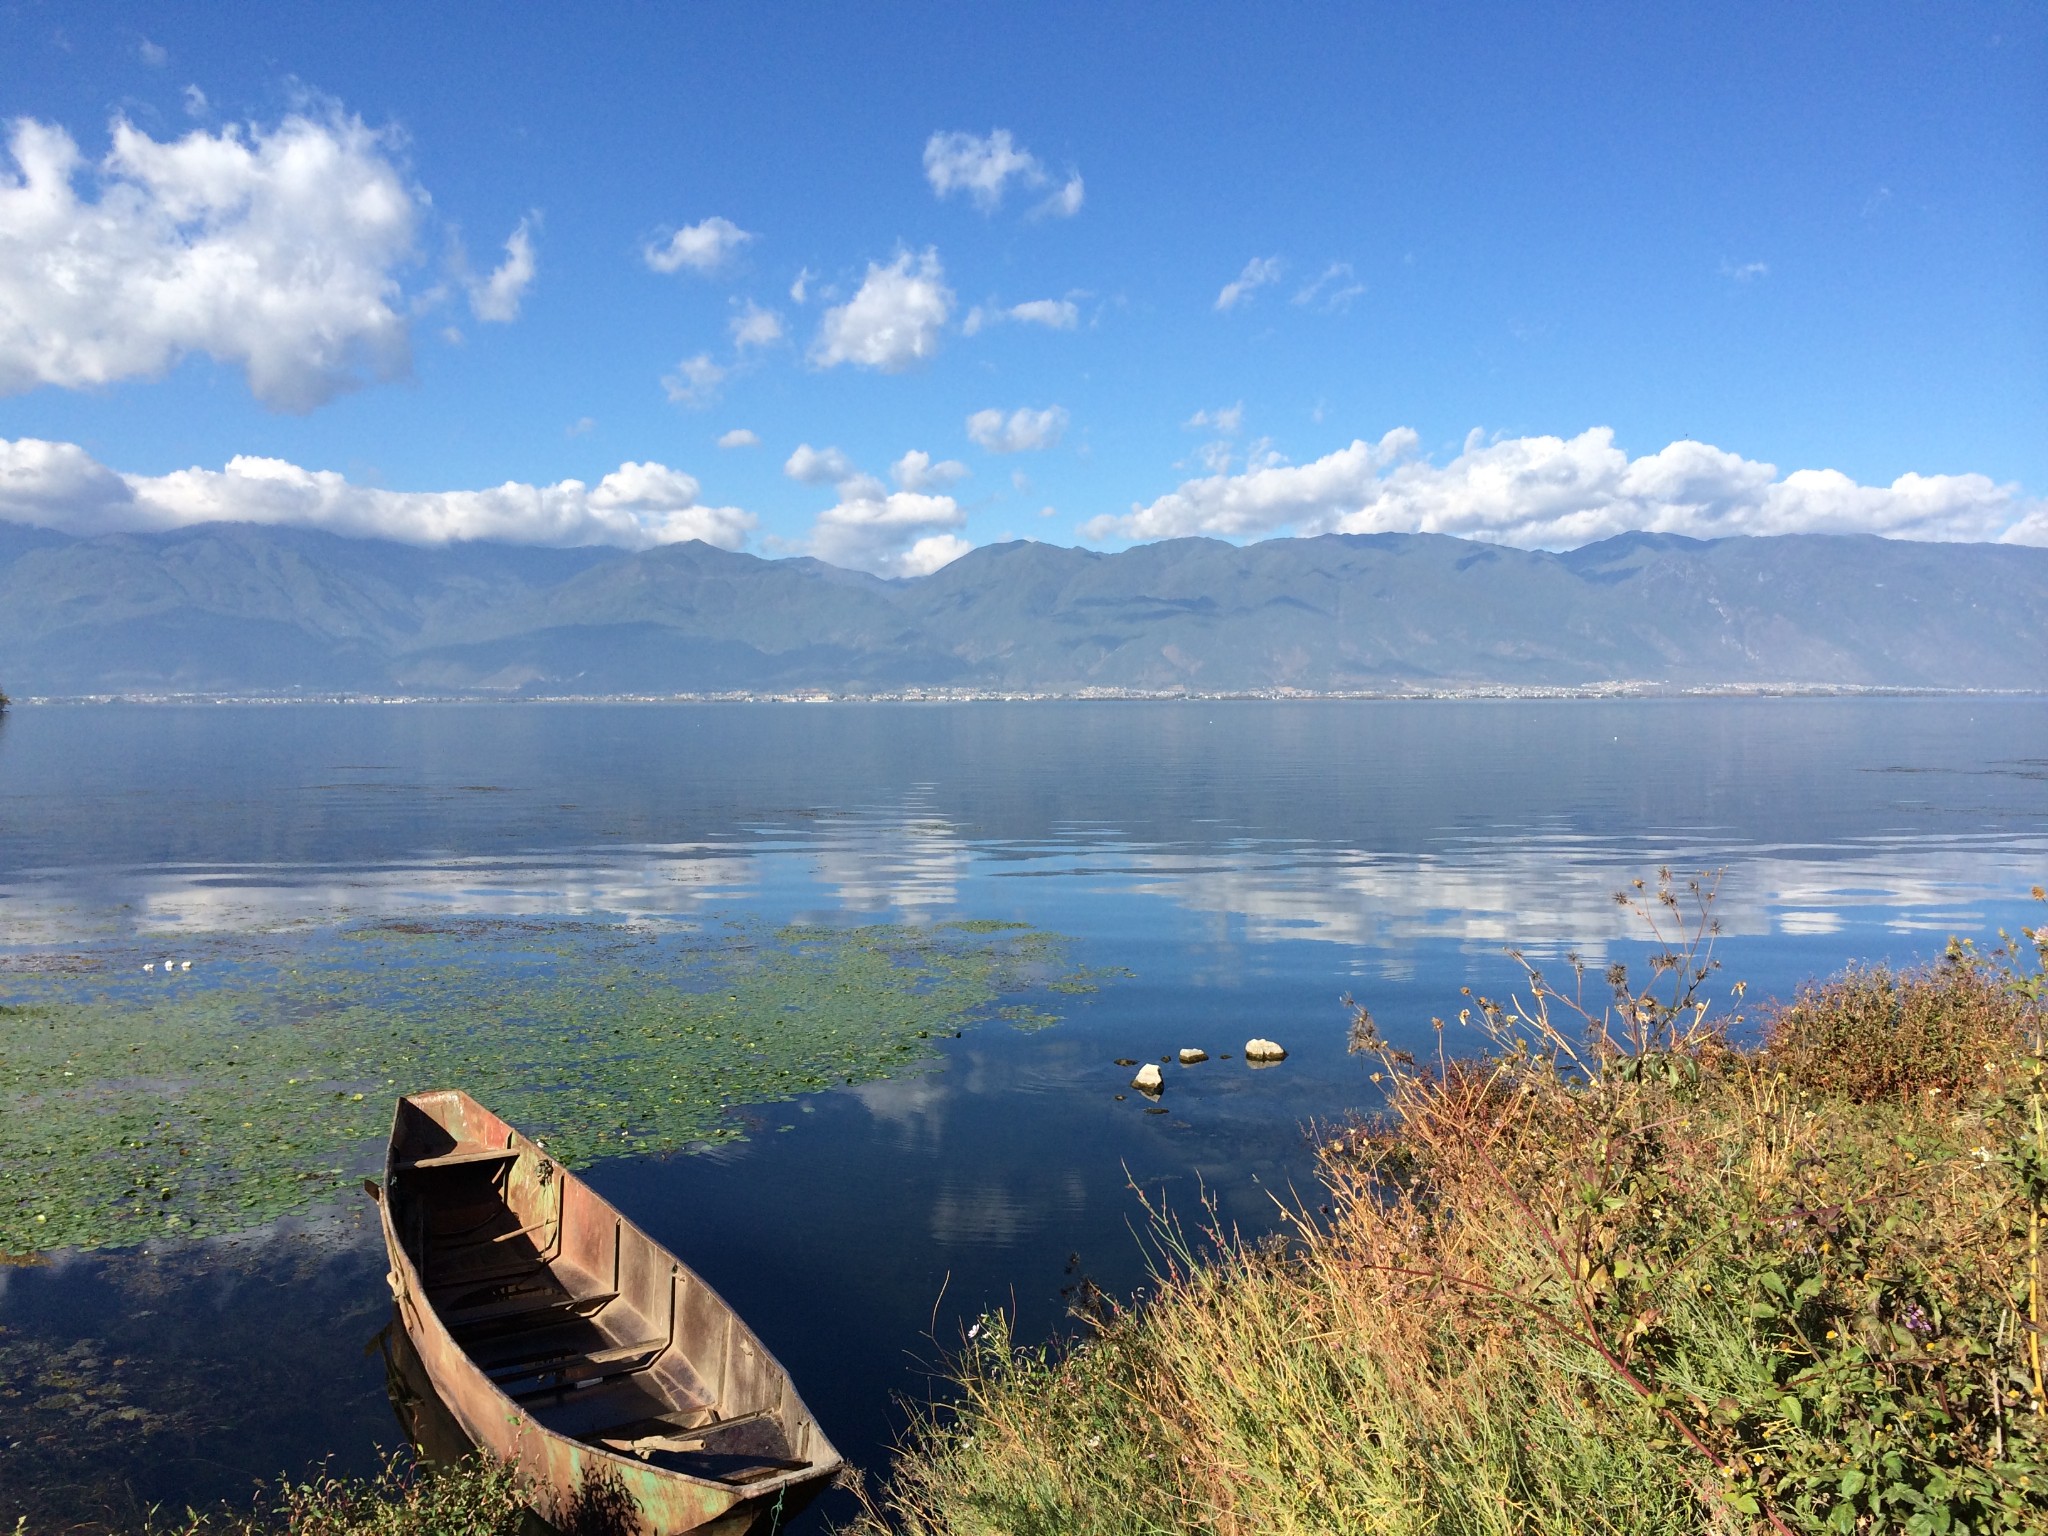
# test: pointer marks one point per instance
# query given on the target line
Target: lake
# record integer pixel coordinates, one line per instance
(1217, 870)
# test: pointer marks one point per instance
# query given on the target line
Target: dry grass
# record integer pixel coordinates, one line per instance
(1616, 1276)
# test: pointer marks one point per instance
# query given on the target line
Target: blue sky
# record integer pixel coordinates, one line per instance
(1749, 241)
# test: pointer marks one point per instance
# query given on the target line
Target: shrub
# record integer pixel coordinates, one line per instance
(1873, 1033)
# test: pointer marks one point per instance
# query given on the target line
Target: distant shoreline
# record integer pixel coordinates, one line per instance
(1472, 693)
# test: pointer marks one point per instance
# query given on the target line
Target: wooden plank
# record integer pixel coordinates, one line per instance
(470, 1317)
(460, 1159)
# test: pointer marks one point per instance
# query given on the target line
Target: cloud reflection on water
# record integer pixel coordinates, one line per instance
(1547, 891)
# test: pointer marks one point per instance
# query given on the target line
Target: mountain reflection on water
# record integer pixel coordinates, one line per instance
(1246, 863)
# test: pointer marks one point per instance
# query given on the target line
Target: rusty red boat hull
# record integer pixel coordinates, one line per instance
(566, 1342)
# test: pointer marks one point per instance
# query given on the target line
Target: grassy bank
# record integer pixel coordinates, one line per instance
(1616, 1275)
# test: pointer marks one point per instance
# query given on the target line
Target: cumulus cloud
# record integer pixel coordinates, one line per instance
(753, 326)
(739, 437)
(1559, 493)
(916, 471)
(984, 167)
(818, 466)
(1257, 273)
(703, 248)
(901, 533)
(694, 382)
(1333, 291)
(800, 288)
(892, 324)
(1022, 431)
(61, 486)
(904, 532)
(276, 251)
(498, 296)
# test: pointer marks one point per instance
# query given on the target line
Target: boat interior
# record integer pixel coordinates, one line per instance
(594, 1330)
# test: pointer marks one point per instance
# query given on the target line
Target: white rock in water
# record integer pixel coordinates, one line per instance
(1190, 1054)
(1264, 1050)
(1148, 1079)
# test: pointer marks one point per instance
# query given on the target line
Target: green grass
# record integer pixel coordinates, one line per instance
(136, 1106)
(405, 1498)
(1614, 1275)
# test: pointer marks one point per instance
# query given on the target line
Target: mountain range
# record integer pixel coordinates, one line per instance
(245, 609)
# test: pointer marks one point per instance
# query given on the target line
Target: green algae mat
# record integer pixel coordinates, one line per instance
(138, 1105)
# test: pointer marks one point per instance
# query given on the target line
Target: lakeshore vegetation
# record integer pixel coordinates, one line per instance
(1618, 1274)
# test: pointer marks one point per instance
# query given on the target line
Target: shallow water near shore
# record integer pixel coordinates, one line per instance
(1196, 873)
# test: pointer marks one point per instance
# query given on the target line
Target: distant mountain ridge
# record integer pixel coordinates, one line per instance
(246, 609)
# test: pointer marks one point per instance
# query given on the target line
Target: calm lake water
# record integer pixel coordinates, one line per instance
(1247, 864)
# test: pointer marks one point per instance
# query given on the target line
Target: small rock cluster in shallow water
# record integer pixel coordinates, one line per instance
(1258, 1052)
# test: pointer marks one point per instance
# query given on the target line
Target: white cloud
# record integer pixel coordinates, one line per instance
(872, 528)
(739, 437)
(155, 55)
(753, 326)
(195, 101)
(893, 322)
(61, 486)
(1745, 272)
(1226, 419)
(1557, 493)
(1332, 292)
(985, 167)
(582, 426)
(1054, 314)
(902, 533)
(818, 466)
(1064, 203)
(694, 383)
(1257, 273)
(277, 251)
(1022, 431)
(915, 471)
(703, 248)
(497, 297)
(799, 291)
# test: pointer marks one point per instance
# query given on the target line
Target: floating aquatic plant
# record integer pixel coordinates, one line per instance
(134, 1107)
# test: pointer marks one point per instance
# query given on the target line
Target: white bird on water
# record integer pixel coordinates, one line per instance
(149, 965)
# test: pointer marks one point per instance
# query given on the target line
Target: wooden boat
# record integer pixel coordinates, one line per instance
(566, 1341)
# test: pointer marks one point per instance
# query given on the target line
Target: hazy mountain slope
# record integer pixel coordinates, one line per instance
(1332, 612)
(1846, 608)
(237, 608)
